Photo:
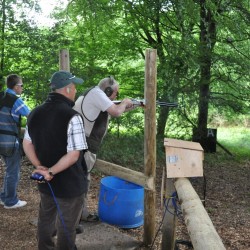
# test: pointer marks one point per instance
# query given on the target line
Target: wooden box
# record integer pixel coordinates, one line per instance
(183, 158)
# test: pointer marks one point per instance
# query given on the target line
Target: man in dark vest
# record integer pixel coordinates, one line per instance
(96, 106)
(55, 143)
(12, 108)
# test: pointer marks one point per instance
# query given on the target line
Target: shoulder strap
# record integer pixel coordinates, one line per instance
(87, 91)
(7, 99)
(84, 95)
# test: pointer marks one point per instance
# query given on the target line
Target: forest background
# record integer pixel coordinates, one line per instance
(203, 52)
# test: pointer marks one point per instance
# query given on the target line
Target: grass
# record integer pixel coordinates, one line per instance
(125, 150)
(128, 149)
(236, 140)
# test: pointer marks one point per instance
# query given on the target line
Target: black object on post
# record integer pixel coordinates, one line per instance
(208, 143)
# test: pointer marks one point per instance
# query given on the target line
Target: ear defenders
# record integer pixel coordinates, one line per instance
(109, 91)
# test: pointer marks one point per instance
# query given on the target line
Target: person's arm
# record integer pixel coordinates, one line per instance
(116, 110)
(65, 162)
(29, 150)
(20, 108)
(76, 143)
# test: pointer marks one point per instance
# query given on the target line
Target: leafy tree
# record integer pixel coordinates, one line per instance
(9, 16)
(202, 46)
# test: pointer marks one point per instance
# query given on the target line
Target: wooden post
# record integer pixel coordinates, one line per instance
(64, 60)
(170, 219)
(150, 142)
(200, 227)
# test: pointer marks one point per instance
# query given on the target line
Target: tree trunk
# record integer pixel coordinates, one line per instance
(207, 42)
(162, 120)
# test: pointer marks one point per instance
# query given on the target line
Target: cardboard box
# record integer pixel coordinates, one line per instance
(183, 158)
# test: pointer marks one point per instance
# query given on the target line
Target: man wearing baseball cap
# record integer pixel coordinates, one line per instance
(63, 78)
(55, 143)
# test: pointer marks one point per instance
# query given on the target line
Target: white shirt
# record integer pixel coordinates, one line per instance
(90, 107)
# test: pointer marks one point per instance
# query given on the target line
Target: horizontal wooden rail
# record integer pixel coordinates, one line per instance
(200, 227)
(125, 173)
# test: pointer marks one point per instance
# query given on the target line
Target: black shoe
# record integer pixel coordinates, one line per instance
(91, 218)
(79, 229)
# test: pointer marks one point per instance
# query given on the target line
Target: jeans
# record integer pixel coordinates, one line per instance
(61, 221)
(11, 178)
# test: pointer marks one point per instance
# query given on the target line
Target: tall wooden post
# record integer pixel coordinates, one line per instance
(150, 142)
(64, 60)
(170, 219)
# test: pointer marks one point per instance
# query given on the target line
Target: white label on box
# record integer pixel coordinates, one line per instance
(172, 158)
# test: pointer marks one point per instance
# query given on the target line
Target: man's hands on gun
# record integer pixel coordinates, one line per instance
(131, 103)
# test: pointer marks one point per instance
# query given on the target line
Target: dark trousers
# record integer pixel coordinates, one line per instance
(50, 222)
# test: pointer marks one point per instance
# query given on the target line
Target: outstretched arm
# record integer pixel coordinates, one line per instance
(116, 110)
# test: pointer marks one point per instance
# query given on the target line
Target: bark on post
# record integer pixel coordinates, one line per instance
(64, 63)
(150, 142)
(200, 227)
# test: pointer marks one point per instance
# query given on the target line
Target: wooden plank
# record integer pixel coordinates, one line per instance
(183, 158)
(183, 163)
(125, 173)
(182, 144)
(200, 227)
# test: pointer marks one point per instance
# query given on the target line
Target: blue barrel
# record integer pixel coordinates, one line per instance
(121, 203)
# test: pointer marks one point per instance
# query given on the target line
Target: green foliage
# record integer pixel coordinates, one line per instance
(236, 140)
(110, 37)
(125, 150)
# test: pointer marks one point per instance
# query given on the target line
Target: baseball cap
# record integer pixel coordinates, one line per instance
(63, 78)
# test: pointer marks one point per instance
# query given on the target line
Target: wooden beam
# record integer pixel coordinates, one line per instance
(150, 142)
(125, 173)
(200, 227)
(64, 63)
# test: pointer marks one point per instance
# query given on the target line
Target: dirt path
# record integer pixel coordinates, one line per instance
(227, 203)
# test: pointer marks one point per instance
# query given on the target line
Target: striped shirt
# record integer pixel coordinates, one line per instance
(19, 107)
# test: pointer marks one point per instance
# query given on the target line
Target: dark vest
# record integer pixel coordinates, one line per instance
(95, 138)
(47, 126)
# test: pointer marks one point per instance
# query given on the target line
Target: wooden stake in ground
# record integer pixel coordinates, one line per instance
(150, 142)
